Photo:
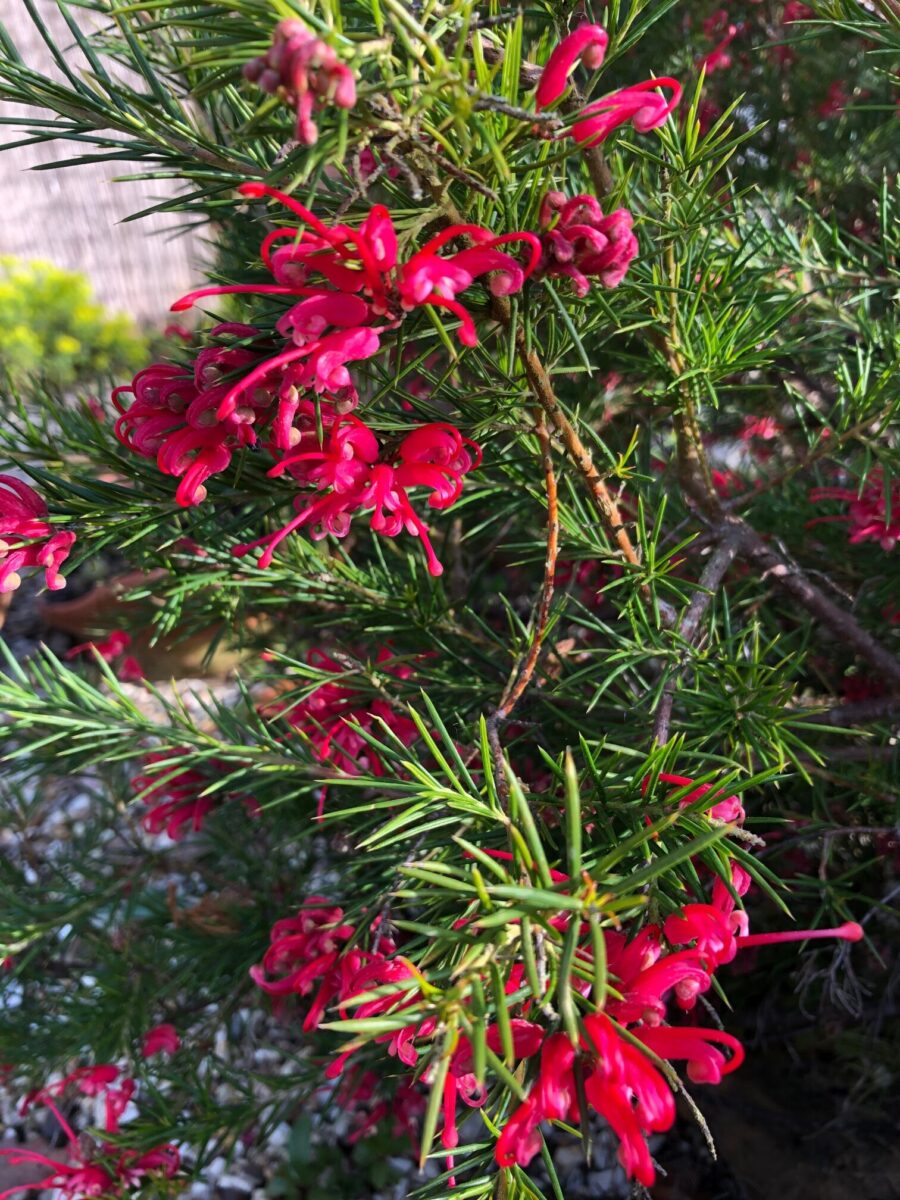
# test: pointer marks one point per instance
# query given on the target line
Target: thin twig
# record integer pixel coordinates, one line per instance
(859, 712)
(688, 626)
(791, 579)
(542, 388)
(485, 102)
(501, 783)
(521, 676)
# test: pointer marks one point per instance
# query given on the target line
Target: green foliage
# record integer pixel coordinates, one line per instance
(51, 328)
(763, 292)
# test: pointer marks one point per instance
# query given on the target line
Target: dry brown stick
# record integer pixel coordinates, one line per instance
(521, 677)
(791, 579)
(542, 388)
(713, 574)
(859, 712)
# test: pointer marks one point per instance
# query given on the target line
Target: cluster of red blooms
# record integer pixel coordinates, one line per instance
(27, 538)
(352, 472)
(719, 26)
(580, 243)
(640, 104)
(332, 716)
(111, 649)
(88, 1170)
(873, 513)
(347, 288)
(306, 72)
(176, 797)
(193, 424)
(319, 956)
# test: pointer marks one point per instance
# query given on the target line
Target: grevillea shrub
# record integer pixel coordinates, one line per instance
(531, 444)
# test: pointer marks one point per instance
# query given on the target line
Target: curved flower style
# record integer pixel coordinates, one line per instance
(641, 104)
(110, 648)
(620, 1083)
(586, 44)
(580, 243)
(728, 809)
(719, 58)
(27, 538)
(868, 515)
(362, 281)
(350, 475)
(306, 72)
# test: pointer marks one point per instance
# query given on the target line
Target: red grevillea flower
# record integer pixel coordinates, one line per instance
(836, 100)
(586, 44)
(90, 1081)
(333, 715)
(794, 10)
(362, 281)
(728, 809)
(402, 1108)
(108, 649)
(351, 473)
(718, 59)
(161, 1039)
(641, 104)
(308, 954)
(27, 538)
(78, 1176)
(113, 647)
(175, 796)
(766, 428)
(873, 515)
(173, 414)
(619, 1082)
(306, 72)
(580, 243)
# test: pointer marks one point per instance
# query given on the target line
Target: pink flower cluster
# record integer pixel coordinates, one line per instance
(306, 72)
(873, 514)
(364, 281)
(332, 717)
(172, 415)
(90, 1171)
(176, 798)
(320, 957)
(27, 538)
(675, 961)
(351, 473)
(580, 243)
(110, 649)
(836, 100)
(641, 103)
(350, 286)
(317, 955)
